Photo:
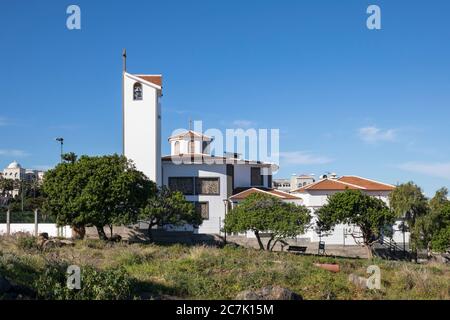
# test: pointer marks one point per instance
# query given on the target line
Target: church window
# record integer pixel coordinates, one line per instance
(137, 91)
(207, 186)
(203, 209)
(256, 179)
(177, 147)
(183, 184)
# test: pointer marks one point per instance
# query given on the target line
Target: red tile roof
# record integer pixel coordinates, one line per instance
(367, 183)
(242, 194)
(155, 79)
(347, 182)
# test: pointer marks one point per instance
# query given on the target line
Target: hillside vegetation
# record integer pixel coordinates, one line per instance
(137, 271)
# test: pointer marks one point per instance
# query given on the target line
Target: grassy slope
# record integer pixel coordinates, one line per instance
(211, 273)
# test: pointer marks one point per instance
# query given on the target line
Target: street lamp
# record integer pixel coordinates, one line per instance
(61, 141)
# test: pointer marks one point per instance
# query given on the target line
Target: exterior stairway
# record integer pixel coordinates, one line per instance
(390, 250)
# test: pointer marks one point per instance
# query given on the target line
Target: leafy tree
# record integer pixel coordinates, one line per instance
(96, 191)
(70, 157)
(433, 229)
(265, 213)
(407, 201)
(169, 207)
(353, 207)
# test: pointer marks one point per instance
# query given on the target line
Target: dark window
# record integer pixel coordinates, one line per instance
(182, 184)
(137, 91)
(256, 177)
(207, 186)
(269, 183)
(205, 147)
(203, 209)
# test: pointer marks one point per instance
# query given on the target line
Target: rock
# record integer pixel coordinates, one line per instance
(269, 293)
(115, 238)
(43, 235)
(66, 242)
(358, 281)
(5, 285)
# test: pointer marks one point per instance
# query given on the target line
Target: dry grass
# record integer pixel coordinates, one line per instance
(201, 272)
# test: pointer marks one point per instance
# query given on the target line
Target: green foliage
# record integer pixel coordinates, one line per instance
(70, 157)
(27, 243)
(408, 201)
(353, 207)
(109, 284)
(265, 213)
(200, 272)
(169, 207)
(96, 191)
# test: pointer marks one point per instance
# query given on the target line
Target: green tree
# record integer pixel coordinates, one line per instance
(353, 207)
(265, 213)
(408, 202)
(433, 229)
(70, 157)
(169, 207)
(96, 191)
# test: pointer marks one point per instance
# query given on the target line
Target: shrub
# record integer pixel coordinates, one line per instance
(27, 243)
(110, 284)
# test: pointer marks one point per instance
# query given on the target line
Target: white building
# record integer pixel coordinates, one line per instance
(316, 194)
(215, 183)
(210, 181)
(14, 171)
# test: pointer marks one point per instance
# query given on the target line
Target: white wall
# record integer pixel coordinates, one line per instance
(315, 199)
(50, 228)
(142, 129)
(242, 176)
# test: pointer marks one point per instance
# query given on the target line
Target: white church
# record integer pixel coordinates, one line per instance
(215, 183)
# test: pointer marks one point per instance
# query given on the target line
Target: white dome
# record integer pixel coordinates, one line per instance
(14, 165)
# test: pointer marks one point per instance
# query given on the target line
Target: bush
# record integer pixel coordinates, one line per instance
(110, 284)
(27, 243)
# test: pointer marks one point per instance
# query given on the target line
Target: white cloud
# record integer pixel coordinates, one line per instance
(13, 153)
(303, 158)
(244, 123)
(374, 134)
(437, 169)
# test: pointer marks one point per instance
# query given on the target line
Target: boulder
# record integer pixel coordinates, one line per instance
(43, 235)
(269, 293)
(358, 281)
(115, 238)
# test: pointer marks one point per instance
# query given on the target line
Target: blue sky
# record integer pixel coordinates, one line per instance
(345, 98)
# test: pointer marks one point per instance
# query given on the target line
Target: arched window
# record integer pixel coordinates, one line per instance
(137, 91)
(177, 147)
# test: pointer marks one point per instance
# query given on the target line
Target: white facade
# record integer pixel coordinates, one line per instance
(142, 126)
(315, 199)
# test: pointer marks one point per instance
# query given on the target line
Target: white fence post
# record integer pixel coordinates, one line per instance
(8, 222)
(36, 222)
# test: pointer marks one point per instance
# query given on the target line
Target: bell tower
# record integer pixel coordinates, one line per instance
(142, 121)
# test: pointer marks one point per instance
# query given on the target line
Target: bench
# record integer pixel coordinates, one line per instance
(296, 249)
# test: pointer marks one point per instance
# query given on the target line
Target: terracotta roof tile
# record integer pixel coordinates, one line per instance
(243, 193)
(367, 183)
(155, 79)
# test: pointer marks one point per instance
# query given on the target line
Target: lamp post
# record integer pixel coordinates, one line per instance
(61, 141)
